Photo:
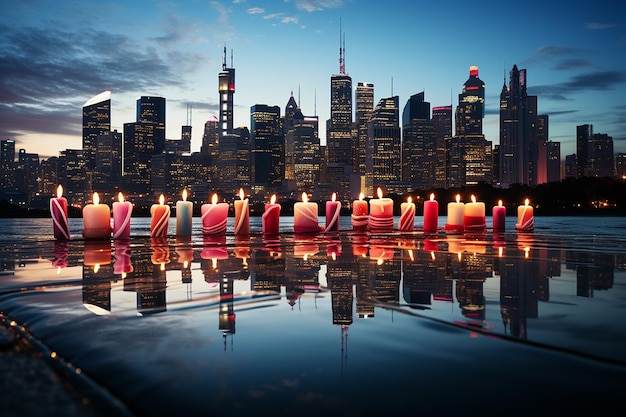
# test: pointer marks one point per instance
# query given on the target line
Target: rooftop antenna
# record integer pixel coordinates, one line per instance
(231, 59)
(342, 67)
(391, 86)
(224, 58)
(299, 105)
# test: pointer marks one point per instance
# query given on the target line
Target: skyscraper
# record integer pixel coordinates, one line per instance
(96, 121)
(471, 108)
(442, 122)
(226, 89)
(364, 101)
(267, 147)
(151, 113)
(418, 143)
(383, 149)
(584, 133)
(7, 163)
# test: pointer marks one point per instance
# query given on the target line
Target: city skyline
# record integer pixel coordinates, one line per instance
(574, 59)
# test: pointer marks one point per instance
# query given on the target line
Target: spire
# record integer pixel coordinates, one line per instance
(224, 59)
(342, 45)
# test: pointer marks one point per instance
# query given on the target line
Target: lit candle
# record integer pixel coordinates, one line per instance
(455, 216)
(242, 215)
(381, 212)
(333, 209)
(431, 214)
(121, 218)
(214, 217)
(96, 220)
(184, 214)
(498, 217)
(160, 214)
(407, 216)
(525, 217)
(305, 218)
(58, 211)
(360, 216)
(271, 217)
(474, 219)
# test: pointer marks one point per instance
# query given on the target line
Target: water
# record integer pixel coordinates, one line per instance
(343, 323)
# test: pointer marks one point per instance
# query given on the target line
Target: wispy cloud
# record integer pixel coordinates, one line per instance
(593, 81)
(318, 5)
(599, 26)
(281, 17)
(255, 10)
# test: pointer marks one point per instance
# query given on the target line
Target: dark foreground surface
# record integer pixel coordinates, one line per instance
(338, 324)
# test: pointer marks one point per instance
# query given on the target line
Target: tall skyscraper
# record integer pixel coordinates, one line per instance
(226, 89)
(364, 101)
(471, 108)
(267, 147)
(442, 122)
(584, 133)
(383, 149)
(601, 161)
(96, 121)
(151, 113)
(7, 163)
(418, 143)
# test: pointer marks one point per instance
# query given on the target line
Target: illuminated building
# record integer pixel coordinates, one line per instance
(302, 148)
(267, 147)
(418, 143)
(96, 122)
(151, 113)
(226, 89)
(364, 102)
(442, 123)
(7, 163)
(553, 164)
(383, 147)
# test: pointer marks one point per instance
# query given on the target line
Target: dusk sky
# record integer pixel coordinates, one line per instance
(56, 55)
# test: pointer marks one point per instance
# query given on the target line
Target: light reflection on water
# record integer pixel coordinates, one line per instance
(313, 320)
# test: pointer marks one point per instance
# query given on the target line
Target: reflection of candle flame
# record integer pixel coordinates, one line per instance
(432, 255)
(334, 256)
(526, 252)
(123, 275)
(96, 268)
(58, 270)
(411, 255)
(379, 262)
(162, 266)
(306, 256)
(214, 263)
(458, 255)
(500, 251)
(185, 264)
(59, 191)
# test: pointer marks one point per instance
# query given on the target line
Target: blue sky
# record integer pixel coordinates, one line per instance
(54, 56)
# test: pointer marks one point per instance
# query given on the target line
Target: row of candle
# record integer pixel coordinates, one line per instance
(377, 216)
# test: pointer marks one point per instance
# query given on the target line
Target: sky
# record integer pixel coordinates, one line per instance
(54, 56)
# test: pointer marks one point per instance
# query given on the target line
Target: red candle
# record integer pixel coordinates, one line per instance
(271, 217)
(214, 217)
(360, 216)
(58, 211)
(160, 217)
(431, 215)
(474, 219)
(525, 218)
(96, 220)
(242, 215)
(333, 209)
(381, 212)
(498, 217)
(121, 218)
(407, 216)
(305, 219)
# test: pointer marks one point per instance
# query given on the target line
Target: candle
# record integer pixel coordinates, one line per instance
(96, 220)
(474, 219)
(214, 217)
(525, 218)
(333, 209)
(305, 218)
(160, 214)
(121, 218)
(455, 216)
(184, 214)
(381, 212)
(431, 215)
(498, 217)
(360, 216)
(58, 211)
(271, 217)
(407, 216)
(242, 215)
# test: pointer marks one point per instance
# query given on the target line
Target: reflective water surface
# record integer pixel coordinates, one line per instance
(344, 323)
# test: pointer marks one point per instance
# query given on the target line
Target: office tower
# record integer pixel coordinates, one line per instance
(471, 108)
(96, 121)
(151, 114)
(583, 138)
(27, 174)
(418, 143)
(383, 148)
(553, 165)
(540, 167)
(107, 173)
(442, 123)
(138, 151)
(364, 102)
(292, 113)
(601, 161)
(570, 168)
(267, 147)
(226, 90)
(72, 168)
(7, 163)
(209, 150)
(49, 174)
(518, 131)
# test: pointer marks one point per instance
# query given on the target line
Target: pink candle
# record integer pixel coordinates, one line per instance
(122, 263)
(58, 211)
(96, 220)
(214, 217)
(498, 217)
(242, 215)
(305, 218)
(525, 218)
(381, 212)
(160, 214)
(121, 218)
(456, 211)
(474, 219)
(360, 216)
(271, 217)
(431, 215)
(333, 209)
(407, 216)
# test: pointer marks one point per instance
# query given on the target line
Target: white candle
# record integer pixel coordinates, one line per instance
(474, 216)
(456, 211)
(305, 218)
(381, 212)
(525, 217)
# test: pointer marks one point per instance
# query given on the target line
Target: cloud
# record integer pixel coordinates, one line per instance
(551, 53)
(572, 64)
(599, 26)
(593, 81)
(255, 10)
(318, 5)
(282, 18)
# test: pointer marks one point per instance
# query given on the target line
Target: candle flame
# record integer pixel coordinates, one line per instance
(409, 200)
(120, 197)
(59, 191)
(500, 251)
(96, 198)
(214, 263)
(214, 199)
(473, 198)
(185, 264)
(185, 194)
(380, 193)
(379, 262)
(500, 203)
(432, 196)
(458, 198)
(334, 197)
(241, 195)
(526, 202)
(361, 196)
(162, 199)
(273, 199)
(305, 198)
